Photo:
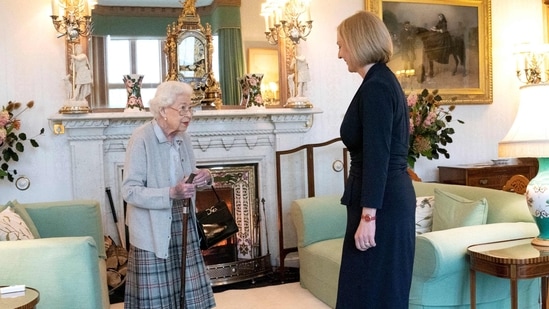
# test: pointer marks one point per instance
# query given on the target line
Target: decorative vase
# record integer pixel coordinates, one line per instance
(537, 198)
(250, 86)
(133, 87)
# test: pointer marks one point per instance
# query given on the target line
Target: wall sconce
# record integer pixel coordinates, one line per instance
(290, 19)
(293, 17)
(71, 18)
(532, 63)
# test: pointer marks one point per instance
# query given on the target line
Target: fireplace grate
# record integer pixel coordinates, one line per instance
(239, 257)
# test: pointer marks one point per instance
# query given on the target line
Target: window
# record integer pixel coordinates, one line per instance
(133, 56)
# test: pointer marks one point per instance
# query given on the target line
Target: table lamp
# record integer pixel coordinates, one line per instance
(529, 137)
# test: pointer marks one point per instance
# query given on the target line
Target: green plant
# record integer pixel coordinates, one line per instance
(429, 130)
(12, 139)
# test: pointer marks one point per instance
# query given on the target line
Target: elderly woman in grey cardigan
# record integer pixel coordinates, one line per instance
(159, 159)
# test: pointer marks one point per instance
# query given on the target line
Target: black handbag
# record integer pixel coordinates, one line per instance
(215, 224)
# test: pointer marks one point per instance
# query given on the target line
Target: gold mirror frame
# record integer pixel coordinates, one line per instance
(93, 48)
(546, 20)
(207, 89)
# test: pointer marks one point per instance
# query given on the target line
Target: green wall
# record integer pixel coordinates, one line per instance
(153, 26)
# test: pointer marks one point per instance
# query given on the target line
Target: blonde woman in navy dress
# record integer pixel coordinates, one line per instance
(378, 248)
(159, 158)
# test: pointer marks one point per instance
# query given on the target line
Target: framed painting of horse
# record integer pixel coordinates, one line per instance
(441, 44)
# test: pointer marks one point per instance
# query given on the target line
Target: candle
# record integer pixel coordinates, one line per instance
(266, 23)
(86, 10)
(54, 8)
(274, 88)
(517, 64)
(265, 13)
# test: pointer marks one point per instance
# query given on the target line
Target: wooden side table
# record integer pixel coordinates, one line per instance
(485, 175)
(512, 259)
(23, 300)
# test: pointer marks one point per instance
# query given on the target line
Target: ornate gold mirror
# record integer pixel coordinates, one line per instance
(189, 51)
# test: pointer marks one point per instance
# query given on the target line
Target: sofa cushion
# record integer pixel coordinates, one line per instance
(320, 218)
(504, 206)
(424, 214)
(453, 211)
(12, 227)
(319, 269)
(68, 219)
(23, 214)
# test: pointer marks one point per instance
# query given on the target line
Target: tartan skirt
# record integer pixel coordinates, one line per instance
(155, 283)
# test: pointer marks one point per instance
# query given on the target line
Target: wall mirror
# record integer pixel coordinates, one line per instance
(132, 27)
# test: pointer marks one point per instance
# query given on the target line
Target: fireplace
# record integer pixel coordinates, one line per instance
(247, 138)
(239, 257)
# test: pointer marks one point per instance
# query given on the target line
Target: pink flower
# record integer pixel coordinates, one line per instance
(3, 134)
(4, 118)
(253, 81)
(258, 99)
(412, 99)
(430, 119)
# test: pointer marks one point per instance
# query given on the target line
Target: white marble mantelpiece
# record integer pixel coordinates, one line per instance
(97, 143)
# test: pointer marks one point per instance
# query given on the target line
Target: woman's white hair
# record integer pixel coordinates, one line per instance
(166, 94)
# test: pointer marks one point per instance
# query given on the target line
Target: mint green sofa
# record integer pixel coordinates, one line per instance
(67, 263)
(441, 268)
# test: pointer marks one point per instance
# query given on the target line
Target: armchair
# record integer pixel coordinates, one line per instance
(67, 263)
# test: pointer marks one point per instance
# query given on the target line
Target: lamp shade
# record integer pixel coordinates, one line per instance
(529, 134)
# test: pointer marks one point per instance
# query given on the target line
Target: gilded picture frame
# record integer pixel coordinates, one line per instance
(546, 20)
(460, 49)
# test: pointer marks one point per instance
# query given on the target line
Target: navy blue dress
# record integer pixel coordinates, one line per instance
(375, 130)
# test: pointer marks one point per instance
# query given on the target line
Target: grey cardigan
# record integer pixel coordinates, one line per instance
(146, 186)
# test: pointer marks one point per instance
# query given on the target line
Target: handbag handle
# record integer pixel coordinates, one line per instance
(213, 189)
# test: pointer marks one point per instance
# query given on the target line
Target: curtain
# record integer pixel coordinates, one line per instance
(99, 94)
(231, 64)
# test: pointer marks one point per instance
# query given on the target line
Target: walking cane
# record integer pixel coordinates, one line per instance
(186, 206)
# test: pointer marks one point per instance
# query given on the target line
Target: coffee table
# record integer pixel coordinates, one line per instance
(513, 259)
(22, 300)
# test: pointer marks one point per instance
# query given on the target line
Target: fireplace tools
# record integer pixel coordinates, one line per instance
(186, 206)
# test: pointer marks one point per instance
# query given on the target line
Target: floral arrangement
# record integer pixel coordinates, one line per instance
(12, 140)
(429, 130)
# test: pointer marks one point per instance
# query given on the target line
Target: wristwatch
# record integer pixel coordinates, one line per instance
(367, 218)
